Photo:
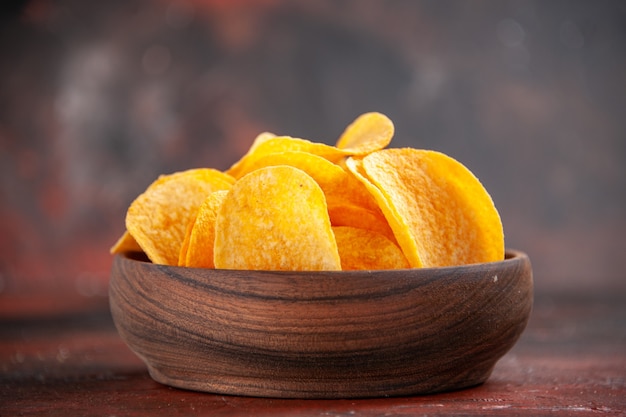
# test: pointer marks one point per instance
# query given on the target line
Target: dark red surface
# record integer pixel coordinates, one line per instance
(570, 361)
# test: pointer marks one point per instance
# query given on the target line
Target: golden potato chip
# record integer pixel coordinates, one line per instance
(361, 218)
(158, 218)
(275, 218)
(366, 249)
(182, 255)
(261, 137)
(283, 144)
(368, 133)
(339, 186)
(199, 251)
(126, 243)
(440, 213)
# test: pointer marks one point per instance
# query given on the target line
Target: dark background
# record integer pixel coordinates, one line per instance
(98, 98)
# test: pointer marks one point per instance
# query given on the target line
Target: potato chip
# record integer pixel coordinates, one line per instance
(439, 211)
(182, 255)
(158, 218)
(261, 137)
(368, 133)
(282, 144)
(365, 249)
(339, 186)
(126, 243)
(361, 218)
(199, 251)
(275, 218)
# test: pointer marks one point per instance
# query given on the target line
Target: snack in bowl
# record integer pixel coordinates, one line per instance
(315, 271)
(286, 197)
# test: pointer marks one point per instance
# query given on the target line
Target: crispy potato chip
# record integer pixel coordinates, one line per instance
(361, 218)
(261, 137)
(275, 218)
(126, 243)
(339, 186)
(283, 144)
(365, 249)
(439, 211)
(199, 251)
(182, 255)
(158, 218)
(368, 133)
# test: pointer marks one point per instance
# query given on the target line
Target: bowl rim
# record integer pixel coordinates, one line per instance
(511, 256)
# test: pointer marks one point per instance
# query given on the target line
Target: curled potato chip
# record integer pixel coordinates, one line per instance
(261, 137)
(199, 251)
(182, 255)
(275, 218)
(366, 249)
(158, 218)
(439, 211)
(282, 144)
(339, 186)
(368, 133)
(361, 218)
(126, 243)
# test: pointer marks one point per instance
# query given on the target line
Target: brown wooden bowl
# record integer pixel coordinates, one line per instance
(321, 334)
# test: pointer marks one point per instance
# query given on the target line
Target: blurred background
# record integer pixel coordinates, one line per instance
(99, 98)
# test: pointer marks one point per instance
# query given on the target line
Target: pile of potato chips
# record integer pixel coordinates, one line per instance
(293, 204)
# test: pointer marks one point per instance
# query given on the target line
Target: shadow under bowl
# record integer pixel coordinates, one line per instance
(340, 334)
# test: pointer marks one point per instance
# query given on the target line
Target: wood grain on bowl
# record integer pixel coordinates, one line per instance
(321, 334)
